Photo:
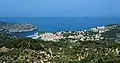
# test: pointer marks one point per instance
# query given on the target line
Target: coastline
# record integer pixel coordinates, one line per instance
(14, 28)
(30, 30)
(60, 34)
(92, 34)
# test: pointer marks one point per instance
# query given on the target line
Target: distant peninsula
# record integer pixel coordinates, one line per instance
(14, 27)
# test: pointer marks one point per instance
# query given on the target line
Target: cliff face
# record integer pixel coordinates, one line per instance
(17, 27)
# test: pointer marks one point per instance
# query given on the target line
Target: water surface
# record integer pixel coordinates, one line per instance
(63, 24)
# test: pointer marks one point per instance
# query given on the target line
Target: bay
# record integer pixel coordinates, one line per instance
(54, 24)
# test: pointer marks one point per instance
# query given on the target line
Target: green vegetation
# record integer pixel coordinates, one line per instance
(58, 52)
(41, 32)
(14, 49)
(68, 34)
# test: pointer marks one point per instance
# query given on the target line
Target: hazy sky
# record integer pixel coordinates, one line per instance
(59, 8)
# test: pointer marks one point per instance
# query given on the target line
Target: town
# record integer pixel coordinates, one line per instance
(93, 34)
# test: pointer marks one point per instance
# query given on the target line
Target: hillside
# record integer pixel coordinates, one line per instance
(15, 49)
(26, 50)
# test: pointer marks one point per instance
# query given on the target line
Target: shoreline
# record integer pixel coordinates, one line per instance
(60, 34)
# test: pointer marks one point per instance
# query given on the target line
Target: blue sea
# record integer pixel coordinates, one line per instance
(54, 24)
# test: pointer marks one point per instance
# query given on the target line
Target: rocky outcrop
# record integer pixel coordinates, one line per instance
(17, 27)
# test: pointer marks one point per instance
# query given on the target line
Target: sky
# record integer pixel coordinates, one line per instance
(59, 8)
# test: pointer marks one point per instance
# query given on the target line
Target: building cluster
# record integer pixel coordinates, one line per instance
(99, 29)
(50, 36)
(85, 36)
(93, 34)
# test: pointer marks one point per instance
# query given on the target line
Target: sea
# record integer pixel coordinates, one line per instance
(56, 24)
